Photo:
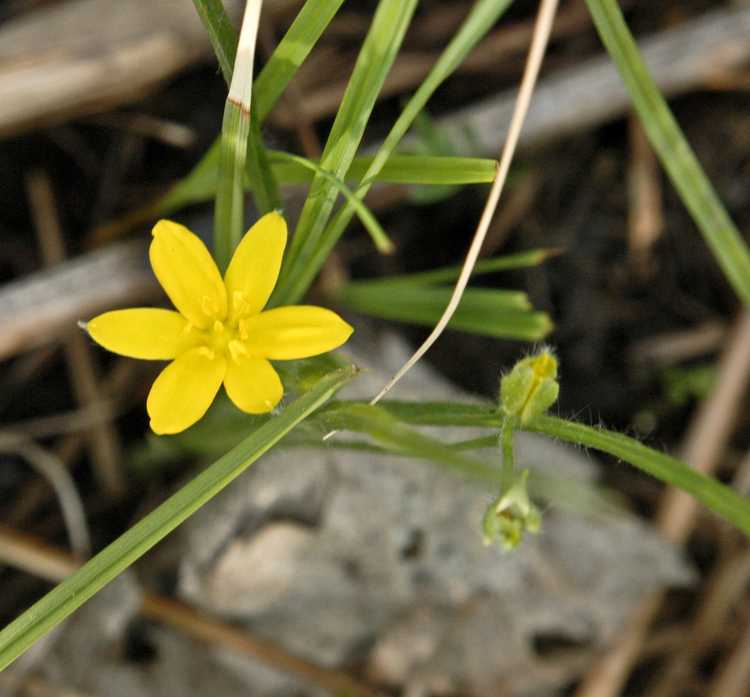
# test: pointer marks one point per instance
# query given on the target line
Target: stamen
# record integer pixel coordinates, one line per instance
(239, 303)
(244, 333)
(207, 352)
(209, 306)
(237, 349)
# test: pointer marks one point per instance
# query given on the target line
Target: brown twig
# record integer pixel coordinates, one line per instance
(645, 213)
(114, 385)
(104, 443)
(34, 556)
(733, 676)
(675, 347)
(724, 589)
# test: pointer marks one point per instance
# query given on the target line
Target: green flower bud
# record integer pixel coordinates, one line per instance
(530, 388)
(511, 516)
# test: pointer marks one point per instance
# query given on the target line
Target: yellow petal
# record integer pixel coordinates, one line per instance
(254, 268)
(253, 385)
(143, 332)
(297, 331)
(188, 273)
(184, 390)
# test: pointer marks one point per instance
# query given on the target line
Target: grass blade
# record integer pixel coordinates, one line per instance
(484, 311)
(229, 211)
(400, 169)
(200, 184)
(482, 16)
(54, 607)
(221, 34)
(241, 139)
(375, 58)
(302, 35)
(229, 214)
(533, 257)
(379, 237)
(673, 150)
(721, 499)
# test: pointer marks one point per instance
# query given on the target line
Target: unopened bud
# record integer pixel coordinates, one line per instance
(509, 518)
(530, 388)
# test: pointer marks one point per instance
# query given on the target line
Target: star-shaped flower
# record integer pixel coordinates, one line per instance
(220, 332)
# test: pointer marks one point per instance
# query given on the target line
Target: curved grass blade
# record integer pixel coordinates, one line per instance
(721, 499)
(379, 237)
(484, 311)
(521, 260)
(673, 150)
(54, 607)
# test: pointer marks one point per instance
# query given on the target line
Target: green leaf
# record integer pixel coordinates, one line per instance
(291, 52)
(485, 311)
(221, 34)
(200, 184)
(375, 58)
(721, 499)
(673, 150)
(481, 18)
(447, 274)
(54, 607)
(400, 169)
(229, 211)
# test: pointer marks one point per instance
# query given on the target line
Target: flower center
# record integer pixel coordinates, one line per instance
(223, 339)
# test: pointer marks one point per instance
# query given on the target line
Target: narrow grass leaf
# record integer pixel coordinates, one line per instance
(533, 257)
(379, 237)
(291, 52)
(400, 169)
(200, 184)
(673, 150)
(485, 311)
(721, 499)
(221, 34)
(54, 607)
(229, 211)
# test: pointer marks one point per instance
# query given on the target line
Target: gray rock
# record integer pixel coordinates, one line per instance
(343, 557)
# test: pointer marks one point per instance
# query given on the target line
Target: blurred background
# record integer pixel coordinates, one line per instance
(105, 104)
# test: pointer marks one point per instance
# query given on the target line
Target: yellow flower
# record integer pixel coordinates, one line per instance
(220, 332)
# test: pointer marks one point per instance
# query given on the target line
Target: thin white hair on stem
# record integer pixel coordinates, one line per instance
(241, 87)
(542, 29)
